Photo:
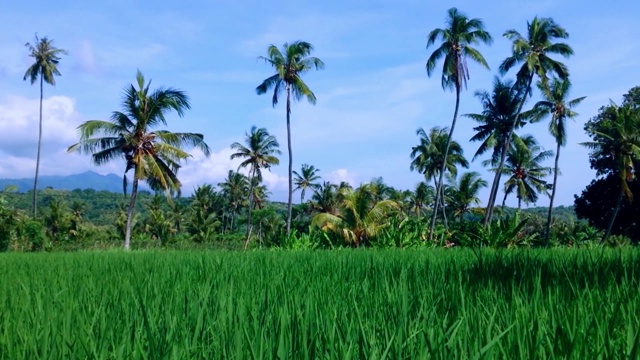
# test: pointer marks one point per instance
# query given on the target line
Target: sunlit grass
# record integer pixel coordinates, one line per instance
(581, 304)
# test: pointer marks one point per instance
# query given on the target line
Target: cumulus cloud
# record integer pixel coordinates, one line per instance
(201, 170)
(340, 175)
(19, 137)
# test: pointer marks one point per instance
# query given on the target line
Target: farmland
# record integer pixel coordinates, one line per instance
(456, 303)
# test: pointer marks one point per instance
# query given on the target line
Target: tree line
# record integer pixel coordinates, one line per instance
(358, 216)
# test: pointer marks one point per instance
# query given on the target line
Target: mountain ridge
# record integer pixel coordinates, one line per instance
(86, 180)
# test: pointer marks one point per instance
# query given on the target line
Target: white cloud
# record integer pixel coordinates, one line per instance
(339, 175)
(201, 170)
(19, 118)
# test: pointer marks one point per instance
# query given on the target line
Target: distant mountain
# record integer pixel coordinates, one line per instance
(85, 180)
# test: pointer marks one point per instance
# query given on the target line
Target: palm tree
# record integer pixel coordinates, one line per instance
(533, 53)
(325, 198)
(45, 67)
(557, 105)
(260, 194)
(290, 64)
(153, 155)
(259, 153)
(360, 217)
(463, 193)
(457, 40)
(429, 158)
(618, 138)
(307, 179)
(419, 199)
(497, 120)
(202, 221)
(235, 192)
(527, 174)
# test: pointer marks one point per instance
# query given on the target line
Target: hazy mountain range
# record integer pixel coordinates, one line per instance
(85, 180)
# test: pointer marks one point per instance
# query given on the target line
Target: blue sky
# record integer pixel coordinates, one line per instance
(372, 96)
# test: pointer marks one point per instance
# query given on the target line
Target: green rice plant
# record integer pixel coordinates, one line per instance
(339, 304)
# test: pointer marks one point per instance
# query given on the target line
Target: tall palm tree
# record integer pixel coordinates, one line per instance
(524, 165)
(617, 137)
(429, 158)
(533, 53)
(45, 67)
(499, 117)
(307, 179)
(259, 153)
(360, 217)
(463, 193)
(290, 64)
(556, 104)
(153, 155)
(457, 40)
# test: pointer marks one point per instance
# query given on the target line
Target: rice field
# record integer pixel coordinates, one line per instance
(341, 304)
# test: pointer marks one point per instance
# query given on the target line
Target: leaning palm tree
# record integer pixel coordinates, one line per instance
(154, 156)
(556, 104)
(617, 137)
(457, 40)
(525, 170)
(463, 193)
(499, 117)
(259, 153)
(306, 179)
(45, 67)
(533, 53)
(290, 64)
(429, 158)
(360, 217)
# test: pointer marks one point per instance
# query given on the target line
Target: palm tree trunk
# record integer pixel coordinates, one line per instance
(290, 159)
(444, 211)
(492, 199)
(488, 215)
(132, 203)
(613, 216)
(553, 195)
(35, 179)
(252, 174)
(504, 201)
(444, 163)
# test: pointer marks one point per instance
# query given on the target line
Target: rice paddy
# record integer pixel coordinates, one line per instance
(342, 304)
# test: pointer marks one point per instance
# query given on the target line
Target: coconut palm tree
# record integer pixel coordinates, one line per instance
(556, 104)
(259, 153)
(45, 68)
(420, 198)
(325, 198)
(618, 138)
(463, 193)
(153, 155)
(457, 39)
(533, 53)
(428, 158)
(290, 64)
(307, 179)
(525, 170)
(497, 120)
(359, 218)
(235, 192)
